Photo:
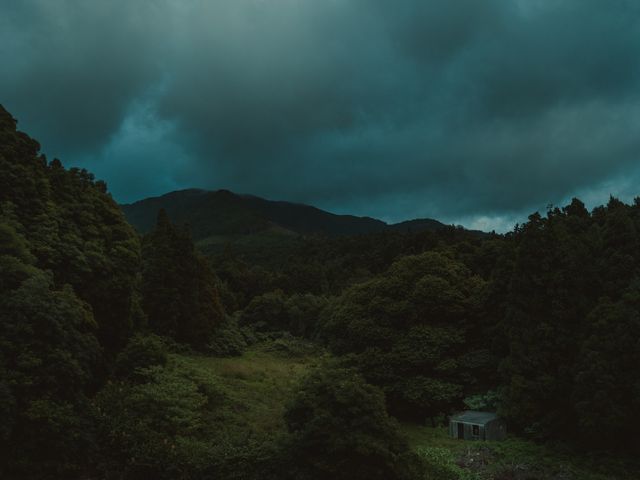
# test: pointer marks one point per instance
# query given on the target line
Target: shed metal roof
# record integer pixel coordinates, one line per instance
(471, 416)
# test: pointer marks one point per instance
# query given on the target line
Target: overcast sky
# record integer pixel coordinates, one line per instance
(469, 111)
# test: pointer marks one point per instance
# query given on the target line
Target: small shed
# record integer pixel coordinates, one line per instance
(472, 425)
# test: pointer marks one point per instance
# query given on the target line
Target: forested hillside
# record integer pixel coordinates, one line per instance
(127, 356)
(224, 212)
(217, 218)
(69, 302)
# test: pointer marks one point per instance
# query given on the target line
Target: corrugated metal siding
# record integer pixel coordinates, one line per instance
(497, 430)
(494, 430)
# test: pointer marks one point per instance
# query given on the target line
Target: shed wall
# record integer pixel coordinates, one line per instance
(495, 430)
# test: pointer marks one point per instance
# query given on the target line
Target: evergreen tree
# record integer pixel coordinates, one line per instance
(606, 391)
(179, 292)
(571, 332)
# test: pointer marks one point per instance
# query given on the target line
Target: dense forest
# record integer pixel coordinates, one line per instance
(106, 335)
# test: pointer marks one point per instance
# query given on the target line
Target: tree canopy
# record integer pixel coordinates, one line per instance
(179, 290)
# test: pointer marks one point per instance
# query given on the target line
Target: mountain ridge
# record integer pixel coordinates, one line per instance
(222, 212)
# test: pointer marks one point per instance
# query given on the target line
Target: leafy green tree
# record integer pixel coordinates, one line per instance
(74, 229)
(142, 351)
(553, 283)
(69, 267)
(340, 429)
(240, 281)
(571, 324)
(407, 331)
(48, 353)
(606, 391)
(298, 314)
(304, 312)
(16, 261)
(229, 339)
(618, 260)
(153, 428)
(267, 313)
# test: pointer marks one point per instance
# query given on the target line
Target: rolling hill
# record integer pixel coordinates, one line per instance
(224, 213)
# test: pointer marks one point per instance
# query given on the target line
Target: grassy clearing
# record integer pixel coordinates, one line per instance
(250, 394)
(252, 390)
(513, 459)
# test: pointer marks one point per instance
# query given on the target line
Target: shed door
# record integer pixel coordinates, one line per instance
(460, 430)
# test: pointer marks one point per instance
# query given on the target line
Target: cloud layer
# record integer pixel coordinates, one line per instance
(465, 111)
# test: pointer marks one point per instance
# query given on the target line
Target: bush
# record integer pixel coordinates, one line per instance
(273, 312)
(438, 464)
(142, 351)
(155, 428)
(228, 339)
(340, 430)
(291, 347)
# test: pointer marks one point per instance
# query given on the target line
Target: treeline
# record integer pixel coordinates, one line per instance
(91, 319)
(572, 323)
(76, 284)
(69, 301)
(542, 324)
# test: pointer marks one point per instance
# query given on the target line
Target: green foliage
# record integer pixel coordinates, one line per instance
(179, 292)
(340, 430)
(255, 387)
(16, 262)
(228, 339)
(48, 353)
(72, 227)
(154, 429)
(304, 312)
(426, 317)
(247, 424)
(55, 326)
(408, 330)
(14, 245)
(142, 352)
(572, 326)
(292, 347)
(512, 459)
(439, 464)
(200, 417)
(267, 312)
(298, 314)
(607, 385)
(483, 401)
(68, 275)
(240, 282)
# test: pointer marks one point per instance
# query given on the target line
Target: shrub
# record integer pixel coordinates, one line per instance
(340, 430)
(228, 339)
(141, 352)
(155, 428)
(438, 464)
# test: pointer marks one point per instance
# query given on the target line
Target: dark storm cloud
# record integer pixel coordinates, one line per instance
(71, 67)
(467, 110)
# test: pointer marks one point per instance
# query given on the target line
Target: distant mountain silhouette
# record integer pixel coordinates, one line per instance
(221, 212)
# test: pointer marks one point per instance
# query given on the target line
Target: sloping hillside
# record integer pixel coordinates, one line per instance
(211, 213)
